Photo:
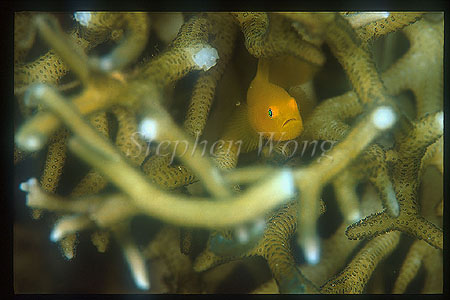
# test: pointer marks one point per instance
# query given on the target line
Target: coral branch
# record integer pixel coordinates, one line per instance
(134, 257)
(93, 182)
(126, 102)
(434, 156)
(345, 190)
(434, 266)
(393, 22)
(99, 25)
(266, 40)
(54, 163)
(159, 171)
(191, 155)
(70, 52)
(104, 92)
(327, 121)
(411, 149)
(333, 257)
(342, 154)
(353, 279)
(419, 70)
(356, 61)
(274, 246)
(204, 89)
(311, 25)
(136, 29)
(177, 61)
(410, 266)
(69, 225)
(377, 172)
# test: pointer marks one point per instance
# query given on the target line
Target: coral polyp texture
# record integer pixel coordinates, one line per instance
(130, 175)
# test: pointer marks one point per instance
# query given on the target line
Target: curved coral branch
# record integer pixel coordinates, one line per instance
(434, 267)
(411, 149)
(267, 37)
(328, 120)
(392, 23)
(310, 179)
(71, 53)
(419, 70)
(48, 68)
(410, 266)
(102, 92)
(310, 25)
(98, 25)
(353, 279)
(159, 171)
(178, 60)
(54, 163)
(356, 61)
(434, 156)
(274, 246)
(345, 190)
(374, 163)
(136, 27)
(93, 182)
(204, 89)
(158, 168)
(134, 257)
(337, 249)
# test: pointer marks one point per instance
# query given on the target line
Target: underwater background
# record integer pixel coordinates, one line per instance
(352, 204)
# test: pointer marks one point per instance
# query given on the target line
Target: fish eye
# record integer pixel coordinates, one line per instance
(270, 112)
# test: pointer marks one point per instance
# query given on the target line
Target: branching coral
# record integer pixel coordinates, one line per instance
(273, 36)
(274, 246)
(119, 117)
(405, 170)
(355, 276)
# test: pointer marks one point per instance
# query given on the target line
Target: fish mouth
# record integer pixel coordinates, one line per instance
(287, 121)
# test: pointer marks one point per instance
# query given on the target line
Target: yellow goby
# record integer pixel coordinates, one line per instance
(271, 109)
(270, 112)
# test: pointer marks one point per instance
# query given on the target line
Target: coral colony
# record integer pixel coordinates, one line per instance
(168, 154)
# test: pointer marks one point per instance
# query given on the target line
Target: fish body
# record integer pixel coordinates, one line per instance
(288, 71)
(270, 112)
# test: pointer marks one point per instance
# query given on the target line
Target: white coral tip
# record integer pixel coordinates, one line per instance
(206, 58)
(148, 128)
(82, 17)
(56, 234)
(392, 202)
(286, 180)
(106, 64)
(354, 215)
(242, 235)
(383, 117)
(138, 268)
(312, 251)
(28, 185)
